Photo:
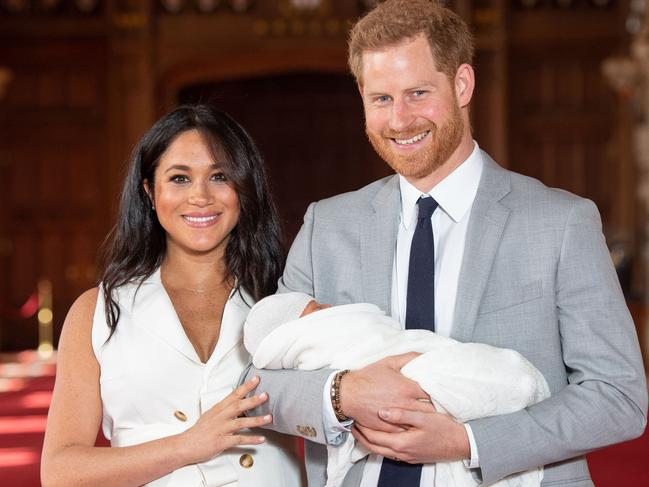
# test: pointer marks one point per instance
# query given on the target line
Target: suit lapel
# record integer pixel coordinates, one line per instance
(378, 239)
(486, 225)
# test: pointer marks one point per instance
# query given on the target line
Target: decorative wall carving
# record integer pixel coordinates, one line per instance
(266, 9)
(564, 4)
(50, 7)
(206, 6)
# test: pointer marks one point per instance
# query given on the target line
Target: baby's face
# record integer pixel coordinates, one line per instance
(312, 307)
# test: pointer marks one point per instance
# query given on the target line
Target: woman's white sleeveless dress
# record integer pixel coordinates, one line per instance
(154, 385)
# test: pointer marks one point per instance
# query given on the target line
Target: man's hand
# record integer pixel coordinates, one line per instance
(425, 437)
(378, 386)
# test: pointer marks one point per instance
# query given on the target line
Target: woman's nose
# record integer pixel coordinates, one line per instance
(200, 194)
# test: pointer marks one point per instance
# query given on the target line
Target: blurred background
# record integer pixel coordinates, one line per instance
(561, 96)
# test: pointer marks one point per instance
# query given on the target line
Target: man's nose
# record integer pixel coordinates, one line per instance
(401, 117)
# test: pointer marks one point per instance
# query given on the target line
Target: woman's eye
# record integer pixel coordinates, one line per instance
(178, 179)
(219, 176)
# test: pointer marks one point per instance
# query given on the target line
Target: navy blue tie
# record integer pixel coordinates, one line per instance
(420, 314)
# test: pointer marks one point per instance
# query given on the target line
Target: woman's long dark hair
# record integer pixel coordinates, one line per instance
(136, 246)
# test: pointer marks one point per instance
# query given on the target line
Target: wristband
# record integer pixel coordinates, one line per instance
(335, 396)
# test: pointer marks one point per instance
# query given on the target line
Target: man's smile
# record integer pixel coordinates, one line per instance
(412, 140)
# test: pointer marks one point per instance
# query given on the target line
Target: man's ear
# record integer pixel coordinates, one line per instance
(464, 84)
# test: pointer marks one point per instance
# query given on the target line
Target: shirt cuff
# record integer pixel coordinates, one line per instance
(474, 461)
(335, 431)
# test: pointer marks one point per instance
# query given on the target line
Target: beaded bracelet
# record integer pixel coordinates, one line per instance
(335, 396)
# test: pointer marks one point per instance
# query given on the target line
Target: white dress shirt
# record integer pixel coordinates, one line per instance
(455, 195)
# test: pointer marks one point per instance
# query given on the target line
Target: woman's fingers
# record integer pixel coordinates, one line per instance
(219, 428)
(248, 403)
(239, 393)
(252, 422)
(236, 440)
(244, 389)
(234, 412)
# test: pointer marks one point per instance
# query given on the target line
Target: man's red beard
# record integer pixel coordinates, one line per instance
(445, 139)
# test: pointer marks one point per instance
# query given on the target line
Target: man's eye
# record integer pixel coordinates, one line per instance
(383, 99)
(179, 179)
(219, 176)
(418, 93)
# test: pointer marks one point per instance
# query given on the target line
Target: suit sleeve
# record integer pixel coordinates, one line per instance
(295, 396)
(605, 400)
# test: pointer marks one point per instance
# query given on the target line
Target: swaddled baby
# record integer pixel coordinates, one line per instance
(466, 380)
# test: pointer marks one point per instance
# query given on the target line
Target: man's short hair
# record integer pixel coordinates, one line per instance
(394, 21)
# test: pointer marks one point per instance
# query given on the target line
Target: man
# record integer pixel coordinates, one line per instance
(503, 260)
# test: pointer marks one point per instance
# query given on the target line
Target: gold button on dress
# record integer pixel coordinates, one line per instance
(246, 460)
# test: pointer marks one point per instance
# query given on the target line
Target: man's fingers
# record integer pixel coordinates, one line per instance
(422, 405)
(390, 428)
(381, 450)
(407, 393)
(380, 425)
(398, 361)
(379, 438)
(404, 417)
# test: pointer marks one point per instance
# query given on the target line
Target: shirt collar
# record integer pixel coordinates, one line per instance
(454, 194)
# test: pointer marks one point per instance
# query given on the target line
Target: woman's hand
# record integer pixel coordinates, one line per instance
(69, 455)
(218, 428)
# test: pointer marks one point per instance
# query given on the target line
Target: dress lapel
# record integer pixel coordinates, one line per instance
(486, 225)
(234, 315)
(155, 312)
(378, 239)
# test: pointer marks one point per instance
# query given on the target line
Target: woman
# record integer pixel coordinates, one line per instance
(156, 352)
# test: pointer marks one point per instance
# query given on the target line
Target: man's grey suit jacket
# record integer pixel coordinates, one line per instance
(536, 277)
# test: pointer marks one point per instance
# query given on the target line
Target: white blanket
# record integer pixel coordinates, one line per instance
(466, 380)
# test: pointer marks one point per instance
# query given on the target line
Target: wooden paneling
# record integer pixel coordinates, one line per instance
(562, 117)
(567, 127)
(488, 108)
(87, 86)
(53, 146)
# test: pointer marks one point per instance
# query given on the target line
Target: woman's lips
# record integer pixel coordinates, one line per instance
(201, 221)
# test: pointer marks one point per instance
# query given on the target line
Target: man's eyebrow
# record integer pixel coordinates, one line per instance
(416, 86)
(376, 93)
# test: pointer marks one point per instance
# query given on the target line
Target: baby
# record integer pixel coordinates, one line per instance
(466, 380)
